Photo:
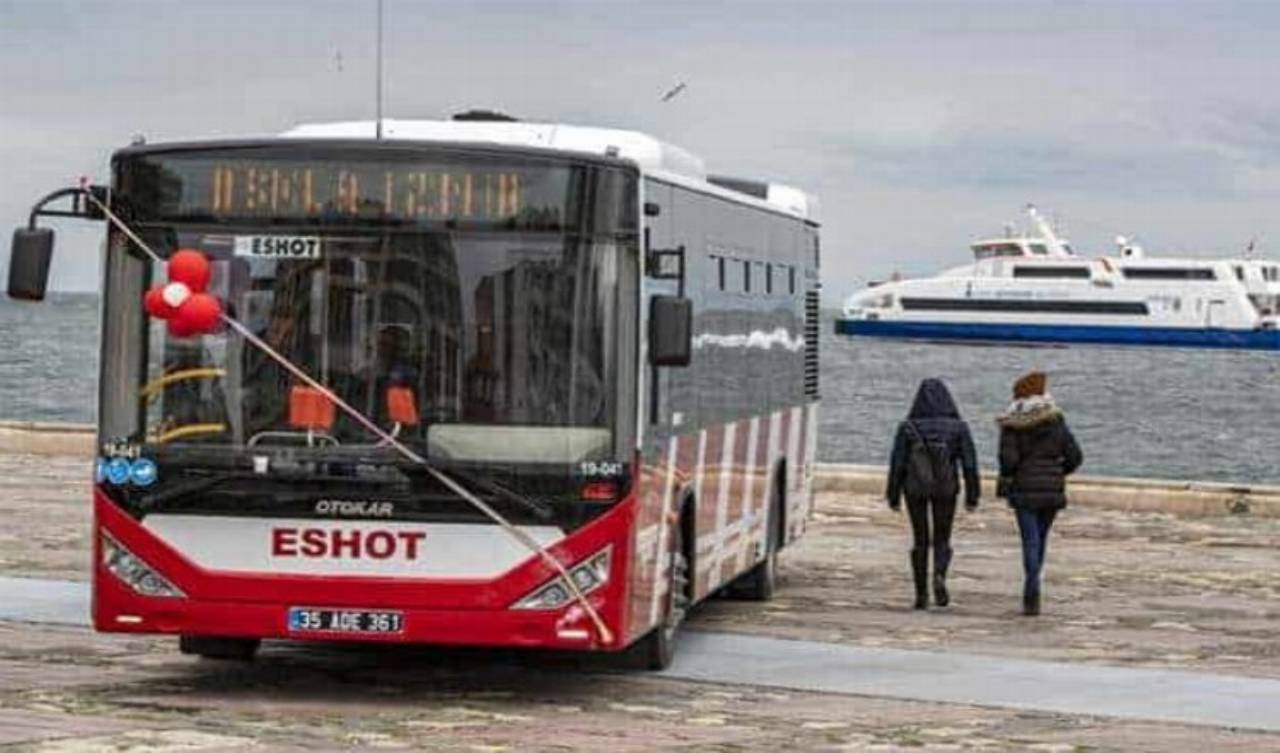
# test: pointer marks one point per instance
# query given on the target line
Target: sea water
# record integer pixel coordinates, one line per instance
(1154, 412)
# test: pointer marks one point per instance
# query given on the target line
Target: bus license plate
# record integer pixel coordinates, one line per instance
(307, 620)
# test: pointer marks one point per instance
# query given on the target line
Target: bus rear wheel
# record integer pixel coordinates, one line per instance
(656, 650)
(226, 649)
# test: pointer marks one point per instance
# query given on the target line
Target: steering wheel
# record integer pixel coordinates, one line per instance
(187, 430)
(156, 387)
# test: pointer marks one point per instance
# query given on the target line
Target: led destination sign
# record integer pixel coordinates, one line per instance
(196, 186)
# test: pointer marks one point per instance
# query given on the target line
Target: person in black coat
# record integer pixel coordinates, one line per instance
(929, 444)
(1037, 453)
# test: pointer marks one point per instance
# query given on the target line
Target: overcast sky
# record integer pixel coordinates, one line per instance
(920, 125)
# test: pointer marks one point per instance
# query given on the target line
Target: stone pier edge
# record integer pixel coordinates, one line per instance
(1128, 494)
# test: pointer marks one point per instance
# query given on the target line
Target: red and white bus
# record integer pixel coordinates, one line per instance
(613, 351)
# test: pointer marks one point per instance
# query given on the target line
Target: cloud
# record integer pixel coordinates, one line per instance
(920, 124)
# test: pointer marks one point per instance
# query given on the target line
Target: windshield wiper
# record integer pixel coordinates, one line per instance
(153, 501)
(538, 508)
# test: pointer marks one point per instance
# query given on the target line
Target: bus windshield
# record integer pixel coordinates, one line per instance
(476, 309)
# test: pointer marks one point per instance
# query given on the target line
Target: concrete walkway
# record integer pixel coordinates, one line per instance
(56, 602)
(1150, 694)
(953, 678)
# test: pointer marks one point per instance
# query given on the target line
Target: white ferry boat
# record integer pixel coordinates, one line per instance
(1035, 288)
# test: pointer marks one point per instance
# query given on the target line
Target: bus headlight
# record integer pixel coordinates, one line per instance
(133, 572)
(588, 575)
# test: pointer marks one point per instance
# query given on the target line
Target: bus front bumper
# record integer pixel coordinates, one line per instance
(118, 610)
(154, 588)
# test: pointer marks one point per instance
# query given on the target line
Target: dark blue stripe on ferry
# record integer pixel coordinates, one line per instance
(1065, 333)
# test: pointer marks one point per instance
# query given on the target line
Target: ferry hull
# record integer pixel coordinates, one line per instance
(1184, 337)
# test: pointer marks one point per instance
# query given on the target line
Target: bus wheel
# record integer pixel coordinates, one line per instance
(758, 583)
(230, 649)
(656, 650)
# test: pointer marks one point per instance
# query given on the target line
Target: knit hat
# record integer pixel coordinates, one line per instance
(1031, 383)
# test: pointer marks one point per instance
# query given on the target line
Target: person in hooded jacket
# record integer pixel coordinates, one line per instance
(922, 467)
(1037, 453)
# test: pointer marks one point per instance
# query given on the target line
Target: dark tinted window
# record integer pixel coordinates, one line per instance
(1026, 306)
(1049, 273)
(1169, 273)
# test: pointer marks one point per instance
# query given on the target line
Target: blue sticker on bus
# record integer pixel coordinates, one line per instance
(143, 472)
(118, 470)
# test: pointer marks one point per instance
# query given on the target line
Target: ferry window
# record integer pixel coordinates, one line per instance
(1029, 306)
(761, 277)
(1240, 273)
(1039, 249)
(791, 279)
(746, 276)
(768, 279)
(1042, 272)
(1169, 273)
(992, 250)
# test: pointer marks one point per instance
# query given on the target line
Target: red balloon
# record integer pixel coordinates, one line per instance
(191, 268)
(178, 328)
(200, 314)
(155, 305)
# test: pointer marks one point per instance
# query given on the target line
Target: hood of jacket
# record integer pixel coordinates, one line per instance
(1030, 412)
(933, 400)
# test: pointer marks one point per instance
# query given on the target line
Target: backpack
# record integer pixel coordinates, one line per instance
(930, 470)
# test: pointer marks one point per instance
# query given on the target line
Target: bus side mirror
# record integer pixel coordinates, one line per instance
(29, 263)
(670, 330)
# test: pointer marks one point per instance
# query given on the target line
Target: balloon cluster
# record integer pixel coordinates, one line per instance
(182, 302)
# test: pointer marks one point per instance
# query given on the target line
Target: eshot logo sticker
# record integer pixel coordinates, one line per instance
(121, 471)
(118, 471)
(278, 246)
(143, 472)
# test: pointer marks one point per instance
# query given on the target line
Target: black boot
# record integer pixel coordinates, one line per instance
(941, 561)
(1031, 603)
(920, 571)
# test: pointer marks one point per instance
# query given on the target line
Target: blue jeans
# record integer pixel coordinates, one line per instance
(1034, 527)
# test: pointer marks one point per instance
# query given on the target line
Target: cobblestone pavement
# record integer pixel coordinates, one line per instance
(1133, 589)
(1122, 589)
